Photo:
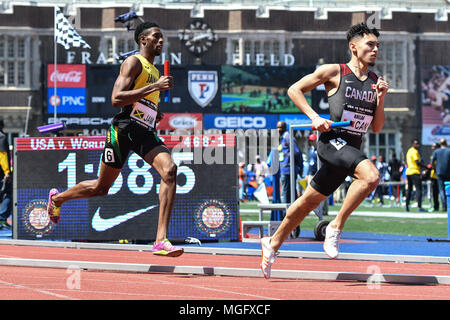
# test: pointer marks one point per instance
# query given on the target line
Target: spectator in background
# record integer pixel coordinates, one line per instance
(413, 174)
(312, 157)
(433, 179)
(373, 159)
(251, 184)
(5, 179)
(382, 167)
(441, 162)
(395, 168)
(284, 160)
(261, 170)
(242, 181)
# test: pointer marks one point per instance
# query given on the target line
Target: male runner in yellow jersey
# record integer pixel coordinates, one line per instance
(136, 91)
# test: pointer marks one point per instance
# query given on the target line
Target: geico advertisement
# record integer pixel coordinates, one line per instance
(221, 121)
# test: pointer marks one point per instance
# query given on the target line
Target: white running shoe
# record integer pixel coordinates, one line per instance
(268, 256)
(331, 243)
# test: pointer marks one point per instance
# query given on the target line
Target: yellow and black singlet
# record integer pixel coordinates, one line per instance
(143, 112)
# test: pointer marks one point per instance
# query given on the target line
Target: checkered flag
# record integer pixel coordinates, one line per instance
(66, 35)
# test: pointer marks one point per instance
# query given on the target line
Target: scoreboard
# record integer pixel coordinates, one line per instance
(83, 94)
(206, 201)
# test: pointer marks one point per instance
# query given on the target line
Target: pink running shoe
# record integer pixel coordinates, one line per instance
(165, 248)
(52, 210)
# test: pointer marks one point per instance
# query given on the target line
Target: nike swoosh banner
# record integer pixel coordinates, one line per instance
(206, 202)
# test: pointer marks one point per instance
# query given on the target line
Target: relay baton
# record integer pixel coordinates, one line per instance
(339, 124)
(333, 125)
(166, 73)
(291, 148)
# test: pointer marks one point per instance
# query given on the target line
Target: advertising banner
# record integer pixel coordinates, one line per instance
(83, 96)
(99, 85)
(236, 121)
(68, 101)
(69, 76)
(185, 121)
(435, 104)
(70, 82)
(197, 91)
(205, 207)
(251, 89)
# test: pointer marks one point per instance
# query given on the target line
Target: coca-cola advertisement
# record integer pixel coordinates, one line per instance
(83, 96)
(67, 76)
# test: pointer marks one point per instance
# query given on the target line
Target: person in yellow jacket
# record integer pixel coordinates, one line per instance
(413, 174)
(5, 179)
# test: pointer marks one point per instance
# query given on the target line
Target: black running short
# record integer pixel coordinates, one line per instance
(339, 155)
(119, 143)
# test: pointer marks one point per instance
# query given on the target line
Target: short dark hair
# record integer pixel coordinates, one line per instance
(359, 30)
(141, 28)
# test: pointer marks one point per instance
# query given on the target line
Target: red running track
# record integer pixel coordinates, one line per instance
(28, 283)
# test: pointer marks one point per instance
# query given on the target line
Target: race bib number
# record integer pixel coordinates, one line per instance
(109, 155)
(360, 122)
(144, 115)
(338, 143)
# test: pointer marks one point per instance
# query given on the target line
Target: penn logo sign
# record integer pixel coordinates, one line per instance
(203, 86)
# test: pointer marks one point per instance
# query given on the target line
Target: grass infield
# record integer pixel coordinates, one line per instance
(432, 227)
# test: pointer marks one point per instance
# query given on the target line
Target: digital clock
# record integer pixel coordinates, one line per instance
(206, 201)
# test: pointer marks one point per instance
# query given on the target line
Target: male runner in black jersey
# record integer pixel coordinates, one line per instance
(356, 94)
(136, 91)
